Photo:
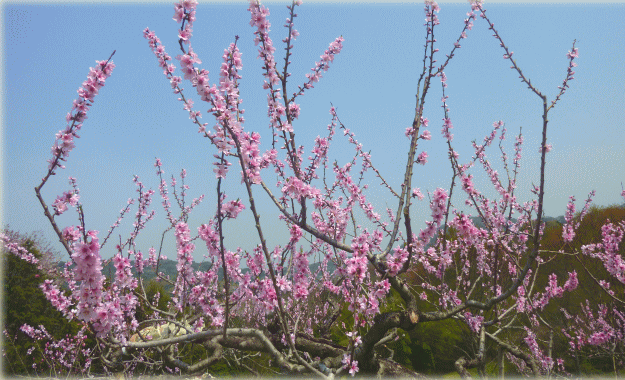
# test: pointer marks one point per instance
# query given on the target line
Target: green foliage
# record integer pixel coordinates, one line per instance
(401, 350)
(422, 358)
(439, 344)
(337, 332)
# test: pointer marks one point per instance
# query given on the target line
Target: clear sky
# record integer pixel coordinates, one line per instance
(48, 49)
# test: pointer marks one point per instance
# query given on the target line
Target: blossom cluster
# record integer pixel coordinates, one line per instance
(552, 290)
(350, 364)
(438, 207)
(88, 271)
(64, 142)
(301, 276)
(608, 250)
(185, 11)
(16, 248)
(324, 64)
(602, 327)
(61, 202)
(62, 354)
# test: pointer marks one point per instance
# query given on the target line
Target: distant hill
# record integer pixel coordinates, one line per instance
(477, 221)
(168, 267)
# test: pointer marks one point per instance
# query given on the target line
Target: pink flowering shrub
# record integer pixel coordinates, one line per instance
(67, 355)
(484, 276)
(59, 348)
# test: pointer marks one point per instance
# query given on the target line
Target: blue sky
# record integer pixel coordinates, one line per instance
(48, 49)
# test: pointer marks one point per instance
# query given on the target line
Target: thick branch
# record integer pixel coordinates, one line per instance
(405, 320)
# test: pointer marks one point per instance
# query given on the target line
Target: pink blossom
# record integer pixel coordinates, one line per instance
(71, 234)
(572, 282)
(232, 209)
(547, 149)
(447, 126)
(568, 230)
(396, 262)
(348, 362)
(353, 368)
(423, 158)
(573, 54)
(417, 193)
(294, 110)
(357, 267)
(59, 206)
(221, 169)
